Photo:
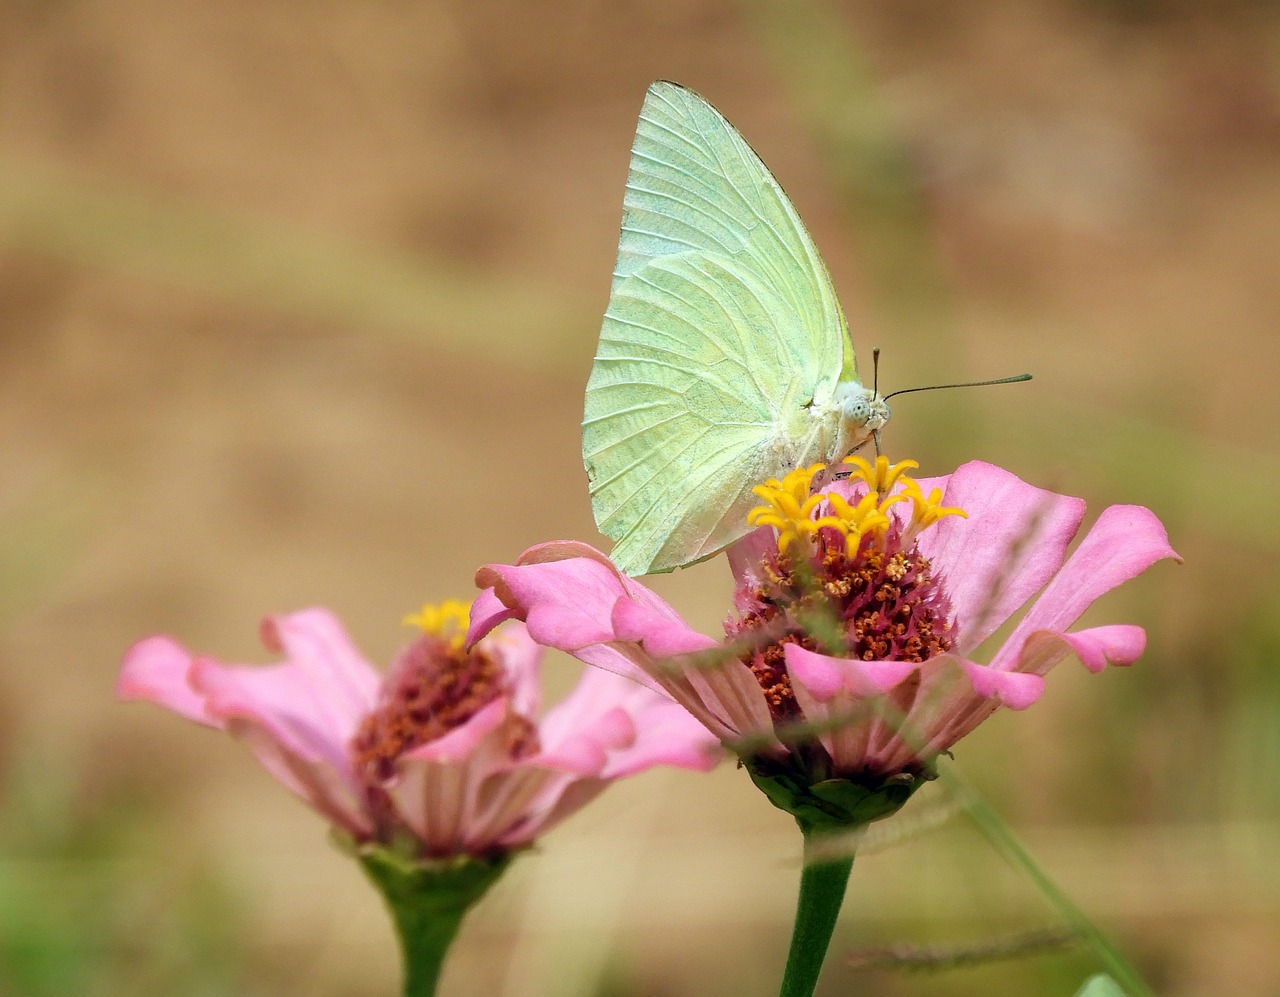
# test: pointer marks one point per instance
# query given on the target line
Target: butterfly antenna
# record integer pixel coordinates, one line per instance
(875, 389)
(964, 384)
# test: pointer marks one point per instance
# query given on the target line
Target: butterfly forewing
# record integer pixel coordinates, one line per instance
(720, 327)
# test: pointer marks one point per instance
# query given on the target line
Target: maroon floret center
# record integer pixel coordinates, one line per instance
(880, 603)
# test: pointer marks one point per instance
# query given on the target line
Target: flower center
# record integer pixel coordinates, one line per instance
(435, 686)
(845, 578)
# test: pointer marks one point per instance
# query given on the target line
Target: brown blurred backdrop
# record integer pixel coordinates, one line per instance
(297, 302)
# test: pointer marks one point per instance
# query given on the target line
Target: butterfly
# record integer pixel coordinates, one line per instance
(724, 357)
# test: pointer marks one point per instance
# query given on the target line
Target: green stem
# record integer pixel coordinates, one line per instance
(822, 884)
(428, 901)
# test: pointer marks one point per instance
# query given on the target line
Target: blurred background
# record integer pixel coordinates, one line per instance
(297, 303)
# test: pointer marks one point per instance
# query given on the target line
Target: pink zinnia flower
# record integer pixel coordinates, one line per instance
(446, 752)
(857, 612)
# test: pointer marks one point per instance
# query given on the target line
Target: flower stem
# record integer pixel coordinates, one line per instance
(428, 901)
(822, 884)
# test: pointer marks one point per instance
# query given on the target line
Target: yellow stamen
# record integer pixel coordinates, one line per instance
(790, 504)
(855, 521)
(881, 477)
(448, 621)
(927, 510)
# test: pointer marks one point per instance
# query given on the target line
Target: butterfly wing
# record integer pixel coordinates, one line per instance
(722, 325)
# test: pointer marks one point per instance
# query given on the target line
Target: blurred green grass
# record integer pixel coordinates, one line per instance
(93, 900)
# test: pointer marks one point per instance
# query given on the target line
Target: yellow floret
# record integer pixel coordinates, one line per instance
(927, 510)
(882, 476)
(789, 504)
(449, 621)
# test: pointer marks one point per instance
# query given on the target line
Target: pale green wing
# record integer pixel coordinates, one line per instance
(721, 326)
(684, 411)
(695, 185)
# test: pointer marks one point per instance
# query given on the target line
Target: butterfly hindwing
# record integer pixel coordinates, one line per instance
(676, 414)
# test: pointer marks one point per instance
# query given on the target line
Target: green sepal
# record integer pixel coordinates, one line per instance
(832, 806)
(428, 899)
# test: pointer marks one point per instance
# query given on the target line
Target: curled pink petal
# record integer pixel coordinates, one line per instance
(587, 750)
(657, 633)
(1016, 690)
(487, 612)
(565, 604)
(666, 734)
(316, 644)
(1096, 648)
(1124, 542)
(279, 699)
(157, 669)
(568, 604)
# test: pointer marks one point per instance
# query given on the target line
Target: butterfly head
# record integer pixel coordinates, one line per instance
(863, 411)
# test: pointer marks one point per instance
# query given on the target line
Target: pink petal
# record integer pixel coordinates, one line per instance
(157, 669)
(724, 696)
(465, 794)
(596, 692)
(842, 724)
(667, 734)
(562, 550)
(1012, 542)
(1016, 690)
(281, 700)
(328, 791)
(825, 676)
(567, 594)
(1119, 644)
(463, 743)
(487, 611)
(585, 751)
(660, 731)
(315, 643)
(660, 636)
(521, 658)
(746, 555)
(550, 801)
(720, 691)
(1124, 542)
(567, 604)
(435, 800)
(296, 717)
(920, 715)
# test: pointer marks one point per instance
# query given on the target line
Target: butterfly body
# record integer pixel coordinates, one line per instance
(724, 357)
